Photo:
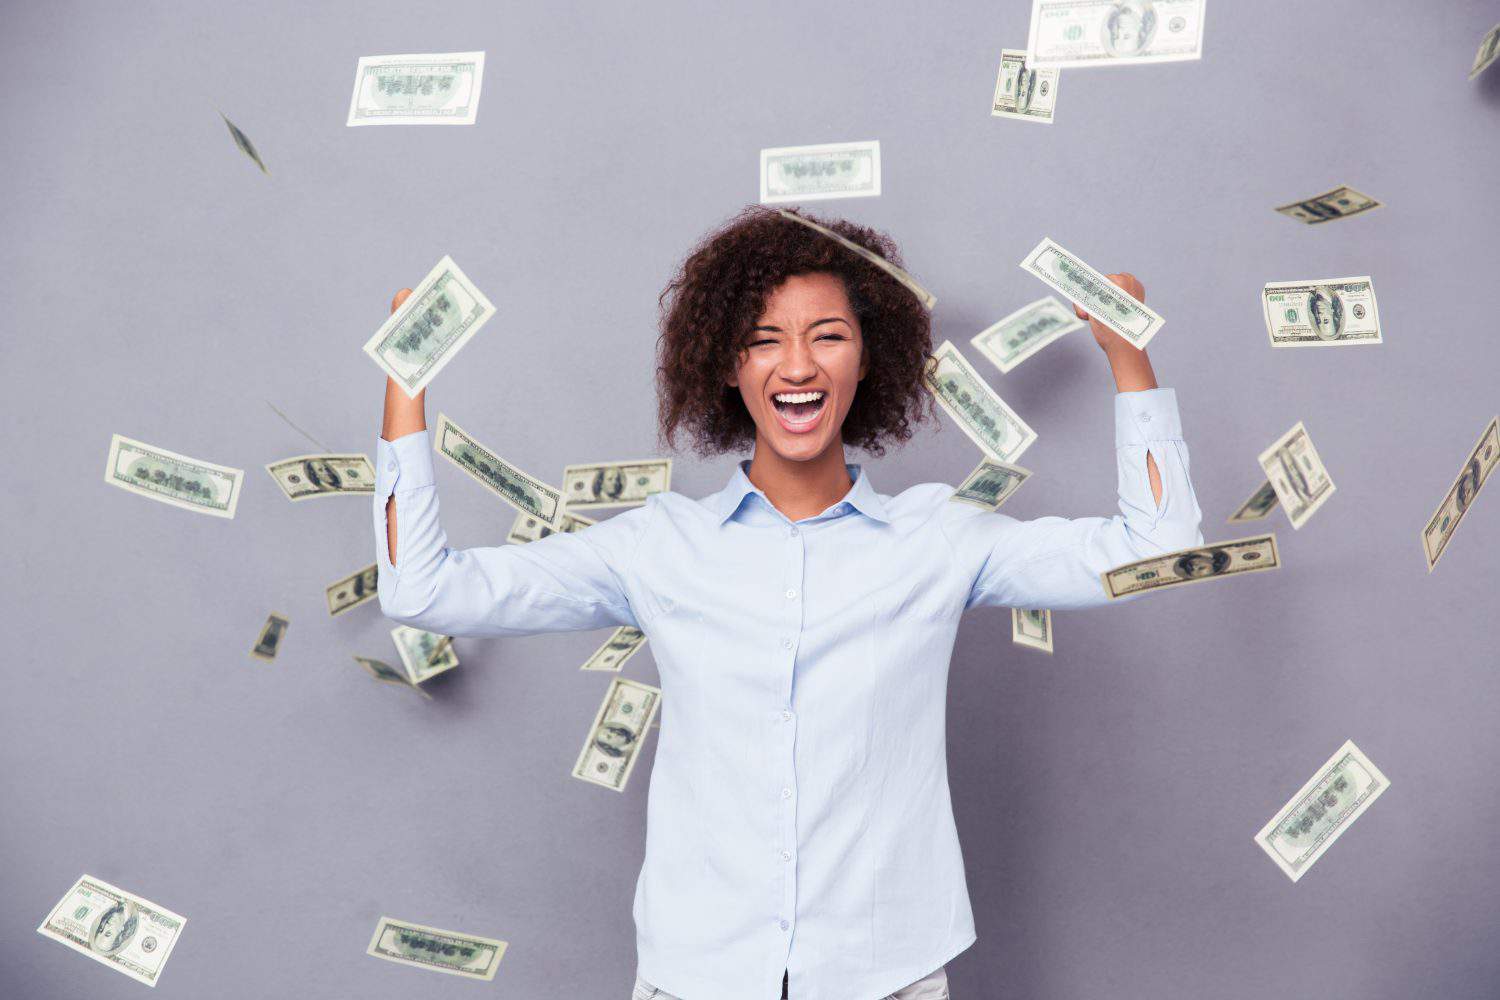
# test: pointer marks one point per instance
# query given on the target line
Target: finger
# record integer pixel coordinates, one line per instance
(401, 297)
(1080, 313)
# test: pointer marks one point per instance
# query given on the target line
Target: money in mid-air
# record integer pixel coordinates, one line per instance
(271, 634)
(429, 328)
(529, 528)
(614, 740)
(615, 484)
(990, 484)
(353, 590)
(122, 930)
(1328, 312)
(1029, 627)
(1022, 91)
(927, 299)
(1114, 32)
(1260, 504)
(812, 173)
(1489, 50)
(1206, 562)
(974, 406)
(1101, 298)
(243, 141)
(382, 671)
(190, 483)
(1026, 331)
(1297, 474)
(423, 654)
(323, 475)
(623, 643)
(527, 494)
(1477, 468)
(438, 89)
(1340, 203)
(1322, 810)
(466, 955)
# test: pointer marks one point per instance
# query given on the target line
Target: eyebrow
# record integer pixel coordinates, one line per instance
(825, 319)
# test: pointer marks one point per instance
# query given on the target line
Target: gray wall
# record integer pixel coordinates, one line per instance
(158, 286)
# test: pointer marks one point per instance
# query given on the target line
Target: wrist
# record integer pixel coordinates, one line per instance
(1131, 368)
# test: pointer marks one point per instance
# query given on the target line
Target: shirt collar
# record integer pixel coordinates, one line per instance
(861, 496)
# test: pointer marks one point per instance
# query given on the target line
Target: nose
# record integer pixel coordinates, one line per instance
(797, 364)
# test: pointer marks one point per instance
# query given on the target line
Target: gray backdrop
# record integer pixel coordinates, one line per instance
(157, 285)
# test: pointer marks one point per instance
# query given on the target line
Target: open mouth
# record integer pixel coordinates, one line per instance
(799, 410)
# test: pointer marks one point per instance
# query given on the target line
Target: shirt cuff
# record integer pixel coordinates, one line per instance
(405, 463)
(1146, 415)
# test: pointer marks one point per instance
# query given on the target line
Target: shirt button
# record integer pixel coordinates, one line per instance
(792, 594)
(785, 925)
(1145, 418)
(786, 715)
(786, 855)
(390, 465)
(786, 644)
(786, 793)
(793, 530)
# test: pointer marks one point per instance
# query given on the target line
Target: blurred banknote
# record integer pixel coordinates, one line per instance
(525, 493)
(1022, 91)
(323, 475)
(623, 643)
(529, 528)
(1026, 331)
(990, 484)
(615, 484)
(353, 590)
(417, 89)
(423, 654)
(122, 930)
(1476, 470)
(1340, 203)
(1101, 298)
(271, 634)
(1297, 474)
(382, 671)
(1328, 312)
(811, 173)
(1260, 504)
(1114, 32)
(1206, 562)
(429, 328)
(190, 483)
(1489, 49)
(614, 741)
(1032, 628)
(1322, 810)
(927, 299)
(974, 406)
(243, 141)
(466, 955)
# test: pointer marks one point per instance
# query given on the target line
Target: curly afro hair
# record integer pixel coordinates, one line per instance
(711, 305)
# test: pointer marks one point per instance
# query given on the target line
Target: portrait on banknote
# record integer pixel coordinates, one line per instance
(1129, 27)
(1326, 312)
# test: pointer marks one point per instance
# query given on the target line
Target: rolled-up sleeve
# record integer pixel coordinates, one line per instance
(563, 582)
(1055, 562)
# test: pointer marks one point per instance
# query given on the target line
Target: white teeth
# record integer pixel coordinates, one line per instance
(798, 397)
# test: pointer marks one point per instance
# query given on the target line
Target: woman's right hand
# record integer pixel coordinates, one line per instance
(403, 413)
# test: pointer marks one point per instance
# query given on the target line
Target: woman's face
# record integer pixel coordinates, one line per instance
(806, 341)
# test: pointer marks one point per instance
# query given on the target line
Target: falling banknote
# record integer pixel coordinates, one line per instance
(123, 931)
(974, 406)
(1297, 474)
(1322, 810)
(990, 484)
(271, 634)
(1101, 298)
(353, 590)
(1022, 91)
(1029, 627)
(382, 671)
(1489, 50)
(1206, 562)
(812, 173)
(1260, 504)
(243, 141)
(466, 955)
(525, 493)
(1114, 32)
(429, 328)
(1340, 203)
(614, 740)
(529, 528)
(1329, 312)
(176, 479)
(623, 643)
(423, 654)
(1476, 470)
(417, 89)
(615, 484)
(323, 475)
(927, 299)
(1026, 331)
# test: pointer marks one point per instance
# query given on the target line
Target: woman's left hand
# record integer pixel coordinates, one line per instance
(1107, 338)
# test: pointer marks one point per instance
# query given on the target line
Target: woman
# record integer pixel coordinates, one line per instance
(798, 816)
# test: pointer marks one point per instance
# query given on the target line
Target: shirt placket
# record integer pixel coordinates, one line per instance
(785, 790)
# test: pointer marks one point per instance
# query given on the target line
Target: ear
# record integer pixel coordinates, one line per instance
(864, 362)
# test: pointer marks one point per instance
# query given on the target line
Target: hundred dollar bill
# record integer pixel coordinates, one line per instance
(1026, 331)
(974, 406)
(270, 637)
(525, 493)
(124, 931)
(1022, 91)
(1340, 203)
(421, 652)
(323, 475)
(353, 590)
(1477, 468)
(243, 141)
(1114, 32)
(190, 483)
(1489, 49)
(527, 528)
(1206, 562)
(1260, 504)
(923, 295)
(441, 89)
(812, 173)
(1101, 298)
(382, 671)
(1031, 628)
(426, 331)
(614, 740)
(615, 484)
(623, 643)
(990, 484)
(466, 955)
(1329, 312)
(1297, 474)
(1322, 810)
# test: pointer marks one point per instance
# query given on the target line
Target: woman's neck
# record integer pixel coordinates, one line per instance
(801, 488)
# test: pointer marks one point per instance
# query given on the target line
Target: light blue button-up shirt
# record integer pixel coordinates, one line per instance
(798, 814)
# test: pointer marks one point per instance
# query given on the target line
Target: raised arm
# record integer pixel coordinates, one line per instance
(403, 414)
